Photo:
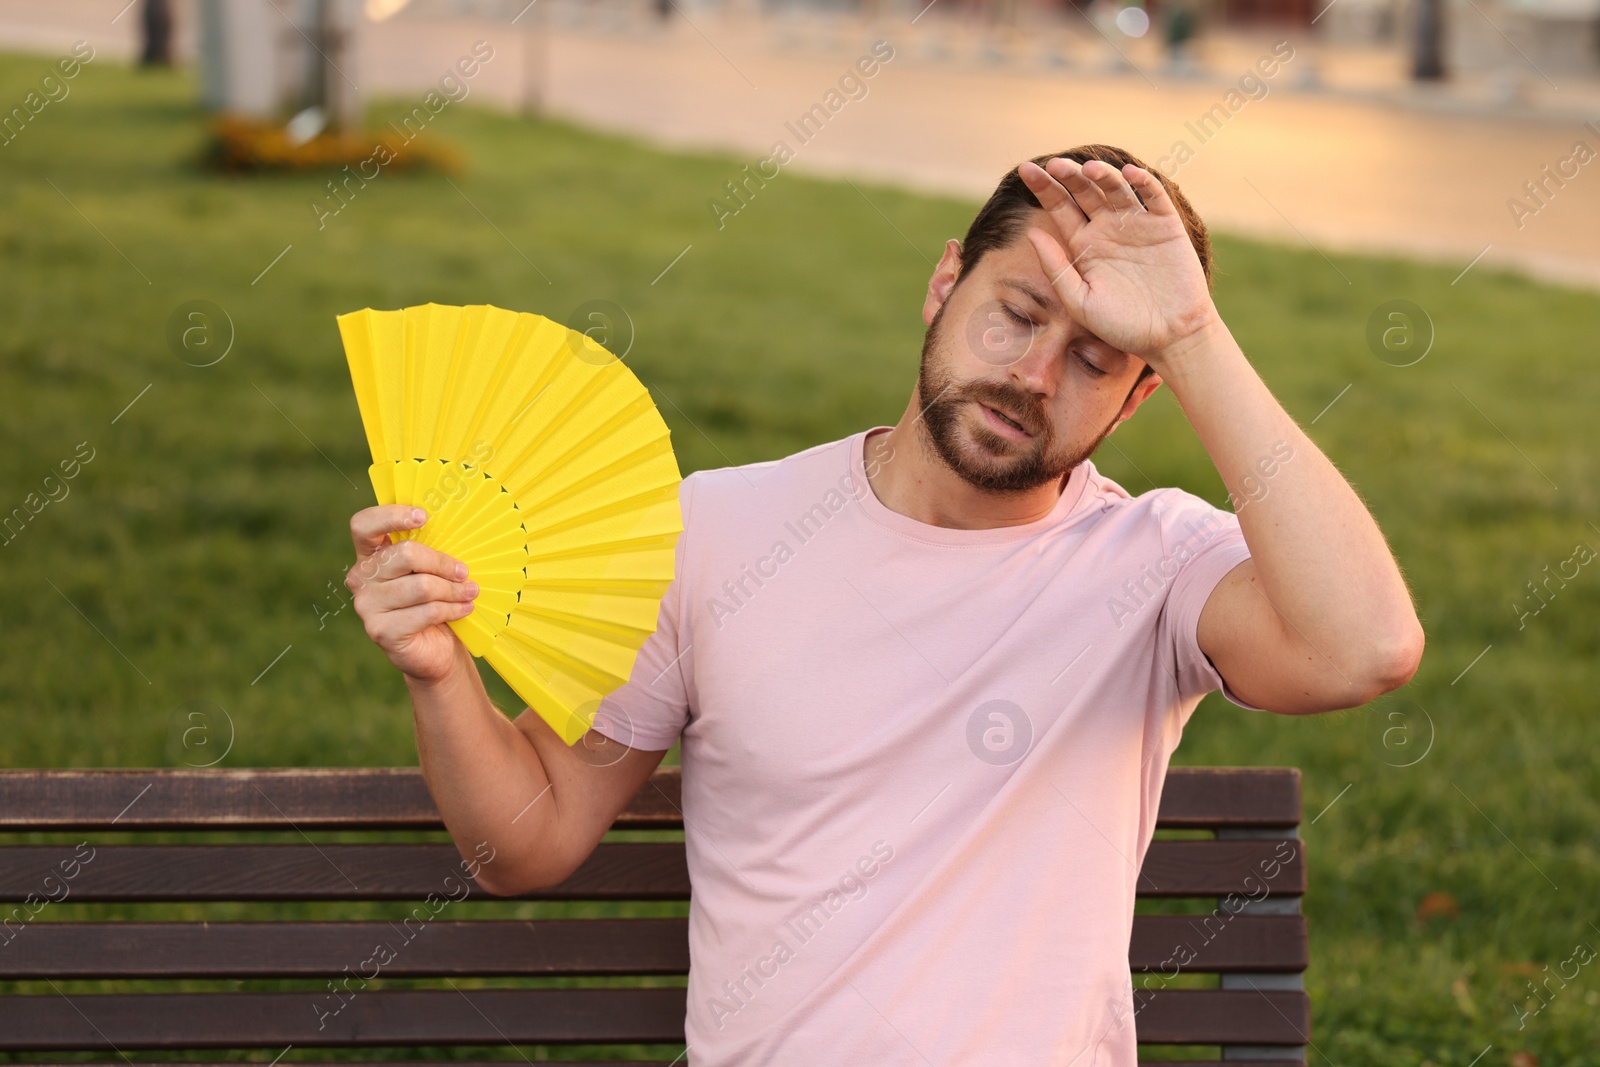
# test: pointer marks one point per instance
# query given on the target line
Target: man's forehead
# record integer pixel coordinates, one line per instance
(1016, 265)
(1035, 289)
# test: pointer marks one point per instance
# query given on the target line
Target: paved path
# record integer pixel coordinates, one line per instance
(1368, 164)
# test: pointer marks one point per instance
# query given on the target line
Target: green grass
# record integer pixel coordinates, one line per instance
(196, 545)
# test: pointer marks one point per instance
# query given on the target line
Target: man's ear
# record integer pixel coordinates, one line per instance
(1136, 396)
(942, 281)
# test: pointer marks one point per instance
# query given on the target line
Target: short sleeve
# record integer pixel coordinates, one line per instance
(1202, 543)
(650, 709)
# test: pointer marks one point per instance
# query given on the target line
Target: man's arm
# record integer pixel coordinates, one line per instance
(539, 805)
(1319, 617)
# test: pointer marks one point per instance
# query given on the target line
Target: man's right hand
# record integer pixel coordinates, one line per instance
(485, 772)
(405, 592)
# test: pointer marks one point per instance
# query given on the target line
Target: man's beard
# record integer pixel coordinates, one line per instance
(1006, 466)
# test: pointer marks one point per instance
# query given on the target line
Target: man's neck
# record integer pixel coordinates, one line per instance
(908, 476)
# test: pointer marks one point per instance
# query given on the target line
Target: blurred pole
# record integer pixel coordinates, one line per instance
(333, 69)
(1427, 57)
(239, 71)
(1180, 30)
(156, 25)
(535, 58)
(319, 64)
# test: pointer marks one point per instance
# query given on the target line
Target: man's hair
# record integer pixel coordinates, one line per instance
(1001, 220)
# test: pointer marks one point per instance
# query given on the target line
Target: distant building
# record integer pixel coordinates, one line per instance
(1535, 39)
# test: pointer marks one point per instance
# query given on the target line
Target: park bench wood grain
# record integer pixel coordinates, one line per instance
(1259, 1012)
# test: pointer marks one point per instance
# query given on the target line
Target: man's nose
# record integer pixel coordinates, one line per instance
(1035, 369)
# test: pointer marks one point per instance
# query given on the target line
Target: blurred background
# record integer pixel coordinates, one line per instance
(748, 198)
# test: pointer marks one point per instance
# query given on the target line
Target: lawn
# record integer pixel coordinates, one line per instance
(196, 558)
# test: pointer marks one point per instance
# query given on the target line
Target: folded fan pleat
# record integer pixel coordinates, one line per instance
(545, 466)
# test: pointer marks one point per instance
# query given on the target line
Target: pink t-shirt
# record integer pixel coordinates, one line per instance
(921, 765)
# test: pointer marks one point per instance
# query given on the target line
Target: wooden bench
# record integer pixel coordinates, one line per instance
(104, 839)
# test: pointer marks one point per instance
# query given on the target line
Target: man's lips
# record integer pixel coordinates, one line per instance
(1007, 425)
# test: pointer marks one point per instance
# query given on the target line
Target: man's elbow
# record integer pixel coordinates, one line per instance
(1393, 660)
(521, 879)
(500, 885)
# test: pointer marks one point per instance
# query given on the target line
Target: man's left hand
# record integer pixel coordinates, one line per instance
(1126, 271)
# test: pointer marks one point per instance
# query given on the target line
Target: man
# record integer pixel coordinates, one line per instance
(928, 678)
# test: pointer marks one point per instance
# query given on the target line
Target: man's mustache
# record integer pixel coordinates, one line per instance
(1020, 407)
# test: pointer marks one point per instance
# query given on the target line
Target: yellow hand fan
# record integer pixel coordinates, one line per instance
(545, 467)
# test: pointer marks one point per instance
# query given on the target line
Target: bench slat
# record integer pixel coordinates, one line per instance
(614, 871)
(134, 873)
(498, 948)
(488, 948)
(1232, 797)
(396, 798)
(498, 1016)
(1254, 867)
(1223, 1017)
(126, 1021)
(320, 798)
(568, 1063)
(1230, 945)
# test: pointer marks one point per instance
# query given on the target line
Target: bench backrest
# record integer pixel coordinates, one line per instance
(313, 979)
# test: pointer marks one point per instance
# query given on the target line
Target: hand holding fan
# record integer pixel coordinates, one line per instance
(544, 466)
